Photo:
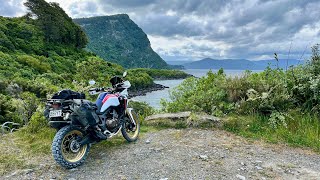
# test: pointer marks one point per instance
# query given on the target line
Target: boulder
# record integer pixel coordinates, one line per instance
(189, 118)
(208, 118)
(171, 116)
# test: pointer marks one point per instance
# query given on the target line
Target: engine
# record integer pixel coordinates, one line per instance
(113, 120)
(110, 121)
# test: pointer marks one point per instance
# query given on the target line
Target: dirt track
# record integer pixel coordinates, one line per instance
(186, 154)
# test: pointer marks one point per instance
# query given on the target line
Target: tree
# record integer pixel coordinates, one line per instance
(58, 27)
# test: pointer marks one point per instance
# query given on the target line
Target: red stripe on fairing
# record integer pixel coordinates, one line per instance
(107, 97)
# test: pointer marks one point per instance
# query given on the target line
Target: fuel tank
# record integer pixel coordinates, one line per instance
(108, 101)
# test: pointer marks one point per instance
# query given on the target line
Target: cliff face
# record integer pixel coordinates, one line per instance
(118, 39)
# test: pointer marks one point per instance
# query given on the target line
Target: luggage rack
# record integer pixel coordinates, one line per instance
(59, 101)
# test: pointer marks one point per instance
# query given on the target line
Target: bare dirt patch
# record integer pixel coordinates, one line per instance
(186, 154)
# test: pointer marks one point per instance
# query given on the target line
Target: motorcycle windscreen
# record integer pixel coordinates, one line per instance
(109, 100)
(126, 84)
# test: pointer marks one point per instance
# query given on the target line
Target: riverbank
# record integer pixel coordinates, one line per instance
(144, 91)
(162, 74)
(157, 75)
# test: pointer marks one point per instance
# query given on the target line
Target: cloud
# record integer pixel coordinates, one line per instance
(12, 8)
(250, 29)
(193, 29)
(84, 9)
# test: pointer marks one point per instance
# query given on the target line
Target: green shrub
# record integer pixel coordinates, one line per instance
(37, 121)
(98, 70)
(30, 61)
(139, 80)
(142, 109)
(206, 94)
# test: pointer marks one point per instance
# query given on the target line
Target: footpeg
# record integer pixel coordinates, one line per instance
(100, 135)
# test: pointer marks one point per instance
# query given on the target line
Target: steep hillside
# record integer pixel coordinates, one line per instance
(38, 58)
(239, 64)
(118, 39)
(31, 68)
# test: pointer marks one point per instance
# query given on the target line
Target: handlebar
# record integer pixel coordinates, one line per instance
(95, 91)
(115, 88)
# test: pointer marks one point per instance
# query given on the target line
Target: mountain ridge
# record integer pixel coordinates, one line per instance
(240, 64)
(116, 38)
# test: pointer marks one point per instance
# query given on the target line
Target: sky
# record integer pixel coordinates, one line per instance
(184, 30)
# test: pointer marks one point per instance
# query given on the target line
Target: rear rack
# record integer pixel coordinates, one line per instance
(59, 100)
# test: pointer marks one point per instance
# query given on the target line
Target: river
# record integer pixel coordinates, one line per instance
(153, 98)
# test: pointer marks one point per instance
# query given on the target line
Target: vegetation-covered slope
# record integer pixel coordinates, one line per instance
(41, 55)
(118, 39)
(31, 68)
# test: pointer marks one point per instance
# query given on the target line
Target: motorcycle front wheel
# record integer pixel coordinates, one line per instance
(129, 130)
(66, 149)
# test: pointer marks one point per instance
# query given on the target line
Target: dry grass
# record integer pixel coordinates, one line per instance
(11, 156)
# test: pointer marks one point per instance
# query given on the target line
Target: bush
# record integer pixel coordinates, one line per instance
(206, 94)
(98, 70)
(139, 80)
(37, 121)
(142, 108)
(30, 61)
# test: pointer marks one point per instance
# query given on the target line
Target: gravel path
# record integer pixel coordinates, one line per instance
(187, 154)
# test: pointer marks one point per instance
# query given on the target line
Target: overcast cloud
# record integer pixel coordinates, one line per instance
(193, 29)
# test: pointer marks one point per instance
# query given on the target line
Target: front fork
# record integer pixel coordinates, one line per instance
(129, 113)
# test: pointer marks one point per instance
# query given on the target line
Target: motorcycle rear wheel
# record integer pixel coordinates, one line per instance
(128, 130)
(66, 150)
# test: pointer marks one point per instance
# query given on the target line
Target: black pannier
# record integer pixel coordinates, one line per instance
(68, 94)
(86, 113)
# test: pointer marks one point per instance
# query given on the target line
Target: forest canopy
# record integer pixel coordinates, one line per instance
(56, 25)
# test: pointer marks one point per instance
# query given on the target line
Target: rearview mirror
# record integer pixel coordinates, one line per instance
(124, 74)
(92, 82)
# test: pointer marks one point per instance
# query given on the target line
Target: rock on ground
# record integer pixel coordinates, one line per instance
(171, 116)
(188, 116)
(176, 154)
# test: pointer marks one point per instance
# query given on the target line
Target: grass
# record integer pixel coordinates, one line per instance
(302, 129)
(20, 150)
(182, 123)
(35, 143)
(166, 123)
(9, 162)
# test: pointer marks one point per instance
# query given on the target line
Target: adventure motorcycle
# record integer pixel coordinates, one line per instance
(81, 122)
